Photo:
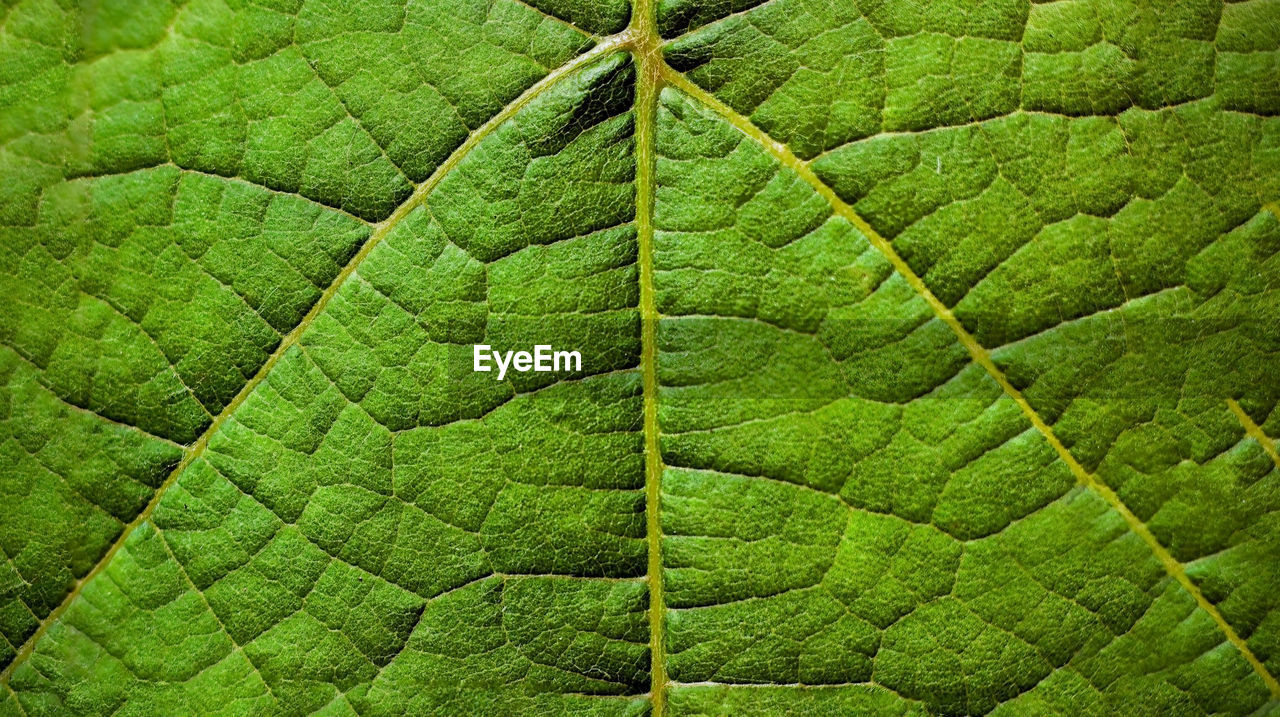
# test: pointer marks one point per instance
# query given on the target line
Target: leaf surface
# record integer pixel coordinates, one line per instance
(928, 357)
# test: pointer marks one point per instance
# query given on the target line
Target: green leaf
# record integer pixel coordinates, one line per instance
(928, 357)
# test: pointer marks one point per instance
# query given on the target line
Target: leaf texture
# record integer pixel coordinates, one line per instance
(929, 357)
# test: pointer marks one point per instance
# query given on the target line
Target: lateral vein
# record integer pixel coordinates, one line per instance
(977, 352)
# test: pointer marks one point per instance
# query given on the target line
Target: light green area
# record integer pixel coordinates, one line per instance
(246, 248)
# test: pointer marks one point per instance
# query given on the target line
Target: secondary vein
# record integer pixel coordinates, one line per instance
(978, 353)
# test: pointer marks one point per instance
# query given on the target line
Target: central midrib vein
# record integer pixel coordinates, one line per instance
(647, 50)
